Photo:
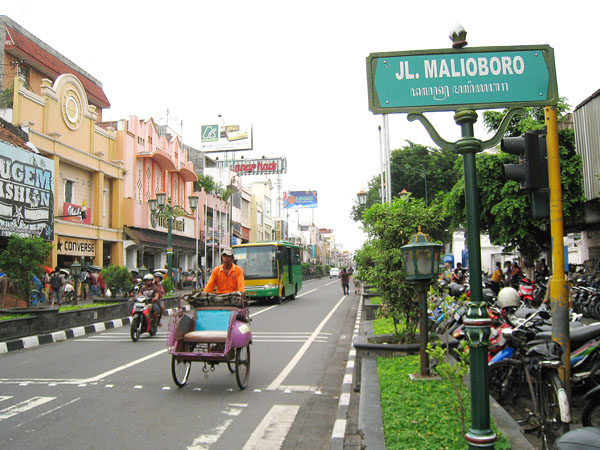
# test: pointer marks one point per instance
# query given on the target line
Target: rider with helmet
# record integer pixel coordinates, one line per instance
(228, 277)
(152, 293)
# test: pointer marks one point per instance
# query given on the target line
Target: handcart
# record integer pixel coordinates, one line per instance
(217, 331)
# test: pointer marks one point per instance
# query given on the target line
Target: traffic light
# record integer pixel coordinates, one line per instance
(532, 170)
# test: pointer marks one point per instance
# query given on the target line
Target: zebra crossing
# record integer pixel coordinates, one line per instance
(264, 336)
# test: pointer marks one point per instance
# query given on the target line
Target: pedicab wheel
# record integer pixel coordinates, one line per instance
(136, 325)
(242, 366)
(180, 371)
(231, 364)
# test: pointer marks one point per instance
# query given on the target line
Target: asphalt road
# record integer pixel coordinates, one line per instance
(104, 391)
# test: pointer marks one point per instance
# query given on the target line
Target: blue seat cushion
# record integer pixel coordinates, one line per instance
(212, 320)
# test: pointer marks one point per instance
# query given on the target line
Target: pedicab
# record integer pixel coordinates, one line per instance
(217, 331)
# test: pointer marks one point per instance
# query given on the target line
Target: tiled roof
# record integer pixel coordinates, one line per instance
(12, 135)
(50, 65)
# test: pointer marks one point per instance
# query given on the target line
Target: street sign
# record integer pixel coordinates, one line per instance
(468, 78)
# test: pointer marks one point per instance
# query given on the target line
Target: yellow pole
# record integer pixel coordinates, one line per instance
(559, 296)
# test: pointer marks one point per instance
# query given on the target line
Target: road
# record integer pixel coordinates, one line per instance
(104, 391)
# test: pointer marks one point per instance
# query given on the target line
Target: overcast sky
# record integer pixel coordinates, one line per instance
(295, 70)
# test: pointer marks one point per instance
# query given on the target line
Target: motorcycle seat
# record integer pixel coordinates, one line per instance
(586, 438)
(578, 334)
(524, 313)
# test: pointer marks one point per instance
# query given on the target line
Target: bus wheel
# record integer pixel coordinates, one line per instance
(279, 299)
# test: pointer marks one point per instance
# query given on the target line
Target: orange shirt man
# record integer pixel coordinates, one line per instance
(227, 277)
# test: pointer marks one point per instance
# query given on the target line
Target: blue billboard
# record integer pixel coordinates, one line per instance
(300, 199)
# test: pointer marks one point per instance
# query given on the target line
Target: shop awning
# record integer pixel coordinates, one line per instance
(158, 239)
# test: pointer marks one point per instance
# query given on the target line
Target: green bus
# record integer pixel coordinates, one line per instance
(272, 270)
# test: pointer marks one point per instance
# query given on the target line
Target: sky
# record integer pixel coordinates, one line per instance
(295, 70)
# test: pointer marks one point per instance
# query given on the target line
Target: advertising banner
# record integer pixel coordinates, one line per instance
(225, 138)
(72, 213)
(26, 193)
(263, 166)
(325, 231)
(75, 246)
(300, 199)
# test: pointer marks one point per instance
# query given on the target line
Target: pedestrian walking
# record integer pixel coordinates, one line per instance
(345, 281)
(179, 278)
(84, 279)
(497, 278)
(57, 282)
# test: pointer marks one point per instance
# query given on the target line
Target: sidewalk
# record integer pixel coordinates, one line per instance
(70, 333)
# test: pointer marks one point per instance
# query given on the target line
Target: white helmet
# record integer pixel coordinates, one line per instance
(508, 297)
(148, 276)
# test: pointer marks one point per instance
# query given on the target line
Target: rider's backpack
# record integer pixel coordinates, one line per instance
(55, 282)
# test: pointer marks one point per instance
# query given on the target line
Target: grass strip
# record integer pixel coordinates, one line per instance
(14, 316)
(419, 414)
(85, 306)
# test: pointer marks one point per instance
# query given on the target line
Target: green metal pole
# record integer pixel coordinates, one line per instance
(423, 332)
(170, 245)
(477, 322)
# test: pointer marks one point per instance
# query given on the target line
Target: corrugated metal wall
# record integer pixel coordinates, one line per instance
(587, 136)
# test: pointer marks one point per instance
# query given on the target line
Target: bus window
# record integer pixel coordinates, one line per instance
(257, 262)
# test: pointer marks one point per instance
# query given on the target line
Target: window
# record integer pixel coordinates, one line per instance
(259, 219)
(267, 207)
(104, 202)
(69, 191)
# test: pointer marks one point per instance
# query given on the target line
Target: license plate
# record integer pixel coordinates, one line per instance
(251, 292)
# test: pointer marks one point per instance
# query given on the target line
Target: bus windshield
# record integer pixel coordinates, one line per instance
(257, 262)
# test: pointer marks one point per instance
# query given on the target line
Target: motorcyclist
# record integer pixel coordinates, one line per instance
(228, 277)
(152, 293)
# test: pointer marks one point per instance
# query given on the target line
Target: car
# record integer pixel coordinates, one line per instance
(334, 272)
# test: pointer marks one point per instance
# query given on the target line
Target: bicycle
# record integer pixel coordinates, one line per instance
(538, 370)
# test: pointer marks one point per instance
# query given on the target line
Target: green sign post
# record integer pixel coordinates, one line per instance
(449, 79)
(463, 80)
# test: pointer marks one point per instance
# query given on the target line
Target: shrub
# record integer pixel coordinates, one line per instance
(117, 279)
(169, 285)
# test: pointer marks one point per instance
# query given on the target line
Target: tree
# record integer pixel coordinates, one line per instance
(505, 210)
(410, 165)
(389, 227)
(24, 258)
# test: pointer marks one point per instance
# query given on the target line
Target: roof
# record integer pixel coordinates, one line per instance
(13, 135)
(159, 239)
(589, 99)
(19, 45)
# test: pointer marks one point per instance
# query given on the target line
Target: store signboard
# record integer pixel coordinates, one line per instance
(72, 213)
(75, 246)
(263, 166)
(26, 193)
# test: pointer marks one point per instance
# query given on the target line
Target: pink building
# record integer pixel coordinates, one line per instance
(154, 161)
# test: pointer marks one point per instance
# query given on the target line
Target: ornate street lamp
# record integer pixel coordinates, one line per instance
(421, 260)
(165, 209)
(362, 197)
(143, 271)
(76, 271)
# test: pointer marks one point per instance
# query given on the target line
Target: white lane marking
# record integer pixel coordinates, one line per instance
(58, 407)
(318, 341)
(272, 430)
(331, 282)
(308, 333)
(5, 397)
(304, 293)
(263, 310)
(285, 372)
(204, 441)
(124, 366)
(339, 429)
(11, 411)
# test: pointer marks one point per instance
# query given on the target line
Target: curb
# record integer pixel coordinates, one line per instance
(62, 335)
(339, 427)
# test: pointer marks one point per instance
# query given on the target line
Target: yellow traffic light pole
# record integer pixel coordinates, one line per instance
(559, 295)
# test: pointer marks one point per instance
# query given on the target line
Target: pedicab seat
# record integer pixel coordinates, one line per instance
(211, 326)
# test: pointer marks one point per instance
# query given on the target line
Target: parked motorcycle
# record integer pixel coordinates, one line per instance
(141, 321)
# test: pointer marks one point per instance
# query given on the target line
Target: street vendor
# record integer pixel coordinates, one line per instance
(226, 278)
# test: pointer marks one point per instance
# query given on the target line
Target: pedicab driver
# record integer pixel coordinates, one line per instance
(228, 277)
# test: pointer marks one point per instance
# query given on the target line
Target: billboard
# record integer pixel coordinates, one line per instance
(325, 231)
(263, 166)
(26, 193)
(300, 199)
(225, 138)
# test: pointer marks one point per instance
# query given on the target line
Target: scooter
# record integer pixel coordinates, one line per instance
(142, 319)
